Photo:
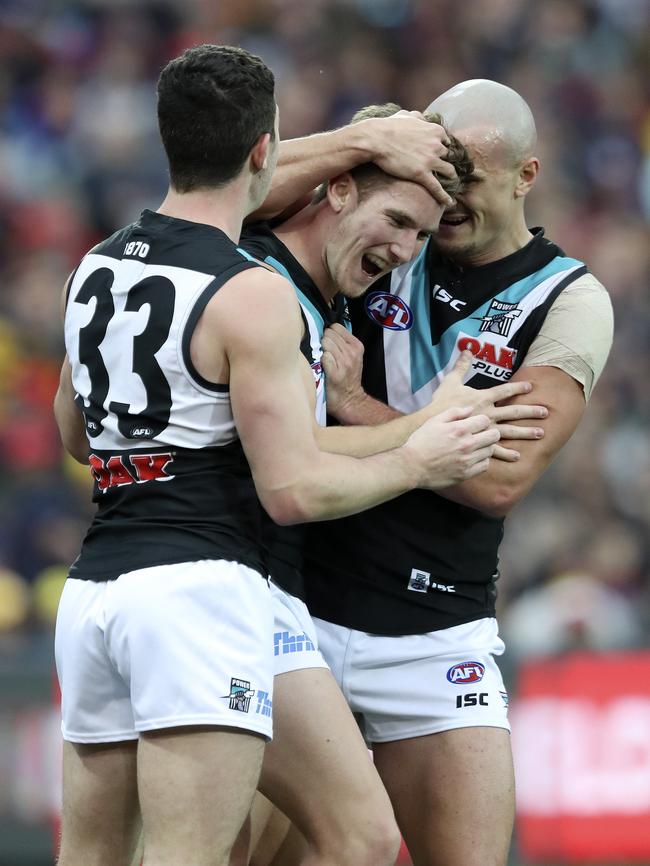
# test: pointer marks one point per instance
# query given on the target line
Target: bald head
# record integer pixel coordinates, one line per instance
(490, 116)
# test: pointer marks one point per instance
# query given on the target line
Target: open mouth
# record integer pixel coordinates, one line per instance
(371, 266)
(454, 219)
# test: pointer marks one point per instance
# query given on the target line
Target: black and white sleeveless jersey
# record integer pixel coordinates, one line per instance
(420, 562)
(284, 543)
(171, 482)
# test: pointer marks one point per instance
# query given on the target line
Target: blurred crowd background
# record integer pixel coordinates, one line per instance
(80, 156)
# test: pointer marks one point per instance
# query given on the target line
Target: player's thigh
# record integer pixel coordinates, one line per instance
(100, 817)
(317, 769)
(453, 795)
(196, 786)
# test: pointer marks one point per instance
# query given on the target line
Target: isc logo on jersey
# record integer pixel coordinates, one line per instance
(465, 673)
(389, 311)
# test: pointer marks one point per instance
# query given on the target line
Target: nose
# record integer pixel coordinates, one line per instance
(404, 249)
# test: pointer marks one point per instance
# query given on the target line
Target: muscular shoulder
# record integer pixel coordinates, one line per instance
(254, 302)
(577, 333)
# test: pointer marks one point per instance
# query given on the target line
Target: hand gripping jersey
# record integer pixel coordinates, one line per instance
(171, 482)
(420, 562)
(284, 543)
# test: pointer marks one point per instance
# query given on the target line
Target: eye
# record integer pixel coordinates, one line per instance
(396, 221)
(424, 236)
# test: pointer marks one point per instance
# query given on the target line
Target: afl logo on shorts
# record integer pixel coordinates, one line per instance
(389, 311)
(466, 673)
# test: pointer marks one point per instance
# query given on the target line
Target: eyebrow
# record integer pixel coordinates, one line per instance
(406, 219)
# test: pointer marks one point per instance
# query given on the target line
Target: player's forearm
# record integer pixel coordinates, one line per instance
(368, 439)
(72, 431)
(304, 163)
(337, 486)
(69, 419)
(364, 410)
(498, 490)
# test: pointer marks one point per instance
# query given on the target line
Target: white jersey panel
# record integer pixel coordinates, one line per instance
(198, 416)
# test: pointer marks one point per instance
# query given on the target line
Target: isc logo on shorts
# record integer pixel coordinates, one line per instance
(389, 311)
(465, 673)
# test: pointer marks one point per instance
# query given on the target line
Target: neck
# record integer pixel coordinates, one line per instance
(224, 207)
(514, 237)
(304, 236)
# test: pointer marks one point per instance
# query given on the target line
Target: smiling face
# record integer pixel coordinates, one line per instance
(484, 223)
(377, 229)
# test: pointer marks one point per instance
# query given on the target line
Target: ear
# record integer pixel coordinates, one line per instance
(341, 190)
(260, 153)
(527, 176)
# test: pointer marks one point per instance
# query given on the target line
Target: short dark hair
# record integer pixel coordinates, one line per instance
(368, 176)
(214, 102)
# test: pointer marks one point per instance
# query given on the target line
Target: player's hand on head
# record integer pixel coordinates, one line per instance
(342, 362)
(407, 146)
(453, 446)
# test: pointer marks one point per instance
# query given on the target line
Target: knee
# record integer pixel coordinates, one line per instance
(381, 843)
(372, 841)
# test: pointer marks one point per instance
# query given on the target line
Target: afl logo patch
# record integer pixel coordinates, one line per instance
(389, 311)
(465, 673)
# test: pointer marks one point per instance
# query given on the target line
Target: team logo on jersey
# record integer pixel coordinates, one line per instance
(389, 311)
(419, 581)
(240, 695)
(465, 673)
(499, 318)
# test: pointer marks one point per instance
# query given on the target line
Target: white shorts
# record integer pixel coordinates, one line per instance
(409, 686)
(295, 642)
(183, 644)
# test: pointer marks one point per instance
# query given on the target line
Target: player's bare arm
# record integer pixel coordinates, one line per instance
(506, 483)
(66, 412)
(402, 145)
(68, 417)
(295, 480)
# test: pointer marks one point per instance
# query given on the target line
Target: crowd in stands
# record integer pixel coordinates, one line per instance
(80, 156)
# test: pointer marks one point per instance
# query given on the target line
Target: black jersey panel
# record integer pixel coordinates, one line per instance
(170, 505)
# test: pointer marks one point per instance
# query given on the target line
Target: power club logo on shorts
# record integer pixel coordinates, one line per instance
(240, 695)
(465, 673)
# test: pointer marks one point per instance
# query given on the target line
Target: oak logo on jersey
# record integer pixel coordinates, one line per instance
(490, 359)
(499, 318)
(389, 311)
(240, 695)
(122, 469)
(466, 672)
